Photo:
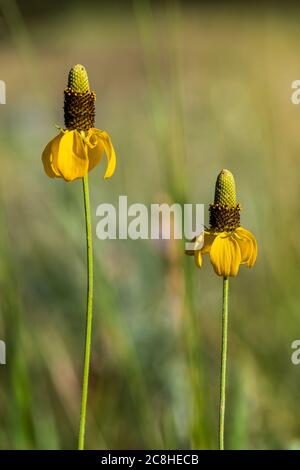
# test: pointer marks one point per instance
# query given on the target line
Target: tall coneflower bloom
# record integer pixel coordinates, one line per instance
(228, 245)
(79, 147)
(75, 151)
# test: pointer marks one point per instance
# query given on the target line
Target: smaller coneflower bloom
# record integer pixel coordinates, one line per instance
(227, 243)
(79, 147)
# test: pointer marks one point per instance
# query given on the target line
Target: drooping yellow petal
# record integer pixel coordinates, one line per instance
(49, 157)
(95, 148)
(248, 246)
(104, 140)
(198, 258)
(110, 155)
(208, 241)
(72, 159)
(225, 255)
(202, 243)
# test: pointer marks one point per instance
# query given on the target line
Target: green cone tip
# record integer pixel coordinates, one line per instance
(78, 79)
(225, 192)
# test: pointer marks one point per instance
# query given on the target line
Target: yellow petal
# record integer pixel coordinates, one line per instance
(104, 138)
(198, 258)
(248, 246)
(225, 255)
(72, 160)
(208, 241)
(49, 157)
(201, 243)
(95, 148)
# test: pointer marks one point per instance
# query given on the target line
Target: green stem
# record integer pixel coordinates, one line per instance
(223, 362)
(89, 312)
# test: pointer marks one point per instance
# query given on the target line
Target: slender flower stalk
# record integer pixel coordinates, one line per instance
(89, 312)
(229, 245)
(223, 362)
(75, 151)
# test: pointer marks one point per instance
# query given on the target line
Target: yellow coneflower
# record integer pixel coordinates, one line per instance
(80, 147)
(71, 155)
(229, 245)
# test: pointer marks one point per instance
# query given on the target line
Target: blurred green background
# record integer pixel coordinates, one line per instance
(184, 90)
